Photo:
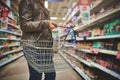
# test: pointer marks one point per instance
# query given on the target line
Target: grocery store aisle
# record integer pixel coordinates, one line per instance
(18, 70)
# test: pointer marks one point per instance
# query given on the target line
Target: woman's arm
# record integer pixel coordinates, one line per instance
(26, 19)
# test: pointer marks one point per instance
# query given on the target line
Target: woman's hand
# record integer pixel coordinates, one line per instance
(52, 25)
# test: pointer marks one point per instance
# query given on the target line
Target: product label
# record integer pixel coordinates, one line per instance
(85, 14)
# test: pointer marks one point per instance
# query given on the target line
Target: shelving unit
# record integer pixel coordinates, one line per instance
(110, 13)
(10, 60)
(100, 37)
(10, 36)
(112, 73)
(10, 52)
(80, 59)
(95, 65)
(109, 52)
(13, 45)
(9, 39)
(76, 68)
(100, 19)
(14, 33)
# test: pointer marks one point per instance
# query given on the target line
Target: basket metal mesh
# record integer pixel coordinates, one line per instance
(43, 56)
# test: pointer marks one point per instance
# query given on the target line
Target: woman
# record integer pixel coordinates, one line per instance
(36, 25)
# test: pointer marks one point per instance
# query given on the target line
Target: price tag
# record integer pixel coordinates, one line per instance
(118, 55)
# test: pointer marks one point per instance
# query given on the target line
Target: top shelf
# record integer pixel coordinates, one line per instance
(113, 13)
(103, 4)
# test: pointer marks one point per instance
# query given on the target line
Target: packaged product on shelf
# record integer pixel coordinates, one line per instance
(96, 32)
(18, 31)
(112, 27)
(13, 22)
(4, 23)
(5, 44)
(97, 45)
(0, 24)
(93, 16)
(10, 28)
(91, 73)
(11, 15)
(9, 56)
(4, 50)
(12, 42)
(3, 34)
(12, 37)
(14, 48)
(118, 46)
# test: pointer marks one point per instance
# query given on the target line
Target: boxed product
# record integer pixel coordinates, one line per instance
(96, 32)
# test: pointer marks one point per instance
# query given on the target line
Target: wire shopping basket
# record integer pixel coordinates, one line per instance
(43, 55)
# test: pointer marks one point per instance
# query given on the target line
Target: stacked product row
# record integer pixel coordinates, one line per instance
(109, 28)
(109, 62)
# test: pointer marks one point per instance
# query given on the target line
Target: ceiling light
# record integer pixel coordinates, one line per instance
(64, 18)
(53, 18)
(46, 4)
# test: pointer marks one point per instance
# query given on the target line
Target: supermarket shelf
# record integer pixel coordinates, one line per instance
(13, 51)
(96, 5)
(10, 60)
(104, 37)
(69, 45)
(99, 19)
(103, 4)
(13, 26)
(77, 69)
(103, 51)
(9, 46)
(99, 37)
(10, 32)
(110, 52)
(84, 75)
(112, 73)
(73, 13)
(77, 20)
(71, 64)
(11, 18)
(63, 35)
(9, 39)
(80, 59)
(85, 50)
(96, 65)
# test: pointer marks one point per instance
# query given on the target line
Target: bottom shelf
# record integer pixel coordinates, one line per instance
(76, 68)
(95, 65)
(10, 60)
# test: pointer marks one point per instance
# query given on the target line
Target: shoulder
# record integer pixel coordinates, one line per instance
(26, 2)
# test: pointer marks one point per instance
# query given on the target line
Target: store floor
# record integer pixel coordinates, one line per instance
(18, 70)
